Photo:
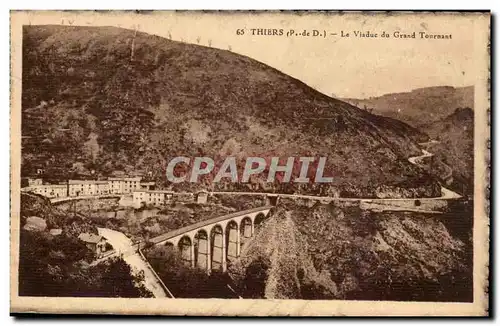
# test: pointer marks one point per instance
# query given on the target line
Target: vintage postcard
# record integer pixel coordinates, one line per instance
(250, 163)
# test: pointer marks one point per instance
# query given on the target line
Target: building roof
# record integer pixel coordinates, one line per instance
(125, 178)
(48, 186)
(155, 191)
(87, 182)
(90, 238)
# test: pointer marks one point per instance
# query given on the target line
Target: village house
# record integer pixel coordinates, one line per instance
(151, 197)
(124, 185)
(35, 182)
(88, 187)
(50, 191)
(76, 188)
(202, 197)
(94, 242)
(147, 185)
(101, 187)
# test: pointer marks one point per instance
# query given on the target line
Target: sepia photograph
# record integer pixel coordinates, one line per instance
(334, 161)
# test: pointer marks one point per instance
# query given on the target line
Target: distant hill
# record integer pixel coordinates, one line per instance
(456, 148)
(420, 106)
(105, 99)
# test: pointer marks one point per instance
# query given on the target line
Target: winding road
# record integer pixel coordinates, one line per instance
(415, 159)
(445, 192)
(133, 257)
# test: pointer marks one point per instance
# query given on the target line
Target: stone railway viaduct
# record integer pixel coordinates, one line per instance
(211, 243)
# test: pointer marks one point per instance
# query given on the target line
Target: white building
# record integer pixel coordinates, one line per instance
(94, 242)
(76, 188)
(124, 185)
(202, 197)
(151, 197)
(102, 187)
(34, 182)
(50, 191)
(88, 188)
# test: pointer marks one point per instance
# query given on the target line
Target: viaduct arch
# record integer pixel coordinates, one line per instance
(210, 244)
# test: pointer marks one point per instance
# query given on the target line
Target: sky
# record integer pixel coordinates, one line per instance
(337, 66)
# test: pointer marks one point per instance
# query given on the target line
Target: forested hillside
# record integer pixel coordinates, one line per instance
(106, 99)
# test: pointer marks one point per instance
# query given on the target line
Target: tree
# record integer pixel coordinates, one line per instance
(255, 278)
(185, 281)
(118, 280)
(56, 266)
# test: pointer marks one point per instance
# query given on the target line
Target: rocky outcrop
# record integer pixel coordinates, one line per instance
(35, 224)
(276, 265)
(36, 208)
(408, 192)
(330, 251)
(389, 255)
